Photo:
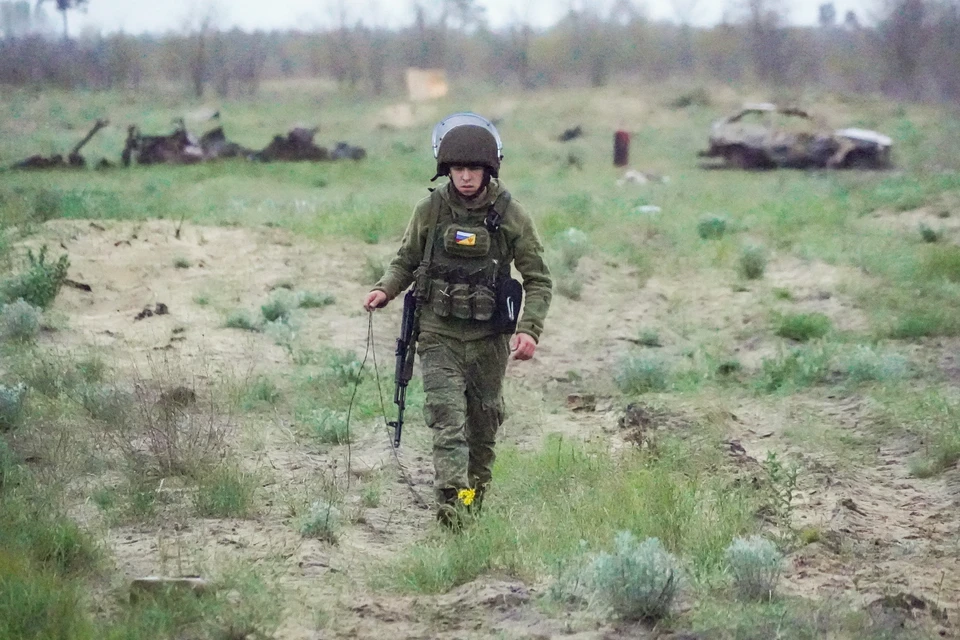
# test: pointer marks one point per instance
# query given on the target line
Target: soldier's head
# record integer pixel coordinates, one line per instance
(468, 149)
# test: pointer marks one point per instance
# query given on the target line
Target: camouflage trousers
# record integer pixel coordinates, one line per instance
(463, 383)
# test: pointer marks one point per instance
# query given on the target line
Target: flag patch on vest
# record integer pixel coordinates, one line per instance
(465, 238)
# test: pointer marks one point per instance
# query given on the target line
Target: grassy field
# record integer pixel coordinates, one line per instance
(767, 354)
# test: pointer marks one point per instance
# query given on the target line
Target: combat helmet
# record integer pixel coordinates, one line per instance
(469, 140)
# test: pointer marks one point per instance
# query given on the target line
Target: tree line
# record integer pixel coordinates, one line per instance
(908, 52)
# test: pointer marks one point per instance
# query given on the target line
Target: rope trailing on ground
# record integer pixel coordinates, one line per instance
(383, 409)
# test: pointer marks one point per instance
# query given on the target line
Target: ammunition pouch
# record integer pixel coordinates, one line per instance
(462, 300)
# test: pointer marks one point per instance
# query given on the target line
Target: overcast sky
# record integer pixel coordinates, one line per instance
(137, 16)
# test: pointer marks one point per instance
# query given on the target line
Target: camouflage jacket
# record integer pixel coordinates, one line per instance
(522, 241)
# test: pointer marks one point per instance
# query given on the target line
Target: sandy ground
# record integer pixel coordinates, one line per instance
(885, 533)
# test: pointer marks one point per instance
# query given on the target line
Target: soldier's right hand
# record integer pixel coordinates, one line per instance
(375, 300)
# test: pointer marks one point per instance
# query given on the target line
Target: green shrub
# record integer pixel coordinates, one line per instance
(866, 365)
(568, 284)
(803, 326)
(638, 581)
(640, 373)
(930, 235)
(698, 97)
(19, 321)
(924, 323)
(314, 300)
(753, 262)
(755, 564)
(12, 402)
(40, 283)
(181, 263)
(797, 368)
(226, 492)
(712, 227)
(571, 246)
(240, 319)
(326, 426)
(38, 604)
(940, 262)
(649, 338)
(373, 270)
(322, 521)
(278, 308)
(107, 404)
(261, 391)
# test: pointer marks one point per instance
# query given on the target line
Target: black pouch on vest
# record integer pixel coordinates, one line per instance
(509, 299)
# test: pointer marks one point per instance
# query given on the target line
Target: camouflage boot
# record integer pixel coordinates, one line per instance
(447, 513)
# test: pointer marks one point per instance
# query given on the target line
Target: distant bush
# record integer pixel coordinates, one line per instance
(755, 564)
(803, 326)
(181, 263)
(314, 300)
(572, 245)
(225, 492)
(649, 338)
(640, 373)
(924, 323)
(797, 368)
(638, 581)
(19, 321)
(12, 402)
(322, 521)
(698, 97)
(865, 365)
(326, 426)
(278, 308)
(712, 227)
(240, 319)
(753, 262)
(928, 234)
(39, 284)
(940, 262)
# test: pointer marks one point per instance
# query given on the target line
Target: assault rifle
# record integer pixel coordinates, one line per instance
(406, 351)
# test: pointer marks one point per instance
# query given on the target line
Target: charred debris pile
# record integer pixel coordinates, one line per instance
(182, 147)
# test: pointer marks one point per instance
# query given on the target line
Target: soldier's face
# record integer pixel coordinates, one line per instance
(467, 180)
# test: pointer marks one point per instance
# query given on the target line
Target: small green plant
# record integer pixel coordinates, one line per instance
(181, 263)
(201, 300)
(107, 404)
(571, 246)
(326, 426)
(261, 391)
(753, 262)
(649, 338)
(781, 486)
(47, 205)
(796, 368)
(755, 564)
(780, 293)
(19, 321)
(803, 326)
(712, 227)
(568, 284)
(641, 373)
(928, 234)
(373, 270)
(278, 309)
(865, 365)
(698, 97)
(370, 496)
(314, 300)
(322, 521)
(40, 283)
(637, 581)
(344, 366)
(240, 319)
(12, 403)
(226, 492)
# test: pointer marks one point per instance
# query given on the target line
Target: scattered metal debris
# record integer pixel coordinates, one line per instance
(73, 160)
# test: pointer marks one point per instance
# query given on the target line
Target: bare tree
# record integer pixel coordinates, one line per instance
(63, 6)
(902, 36)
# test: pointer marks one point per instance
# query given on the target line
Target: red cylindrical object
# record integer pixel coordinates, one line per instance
(621, 148)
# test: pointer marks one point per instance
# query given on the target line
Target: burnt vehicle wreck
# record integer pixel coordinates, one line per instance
(765, 136)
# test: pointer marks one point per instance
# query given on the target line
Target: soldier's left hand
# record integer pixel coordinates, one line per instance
(522, 346)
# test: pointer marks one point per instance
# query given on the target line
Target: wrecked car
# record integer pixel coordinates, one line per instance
(765, 136)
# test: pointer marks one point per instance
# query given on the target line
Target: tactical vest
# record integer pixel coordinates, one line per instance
(470, 260)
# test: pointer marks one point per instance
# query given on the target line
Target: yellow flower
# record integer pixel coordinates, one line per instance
(466, 496)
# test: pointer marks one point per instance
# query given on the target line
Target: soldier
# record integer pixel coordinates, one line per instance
(458, 248)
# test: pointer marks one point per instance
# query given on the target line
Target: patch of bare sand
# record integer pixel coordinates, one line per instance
(882, 532)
